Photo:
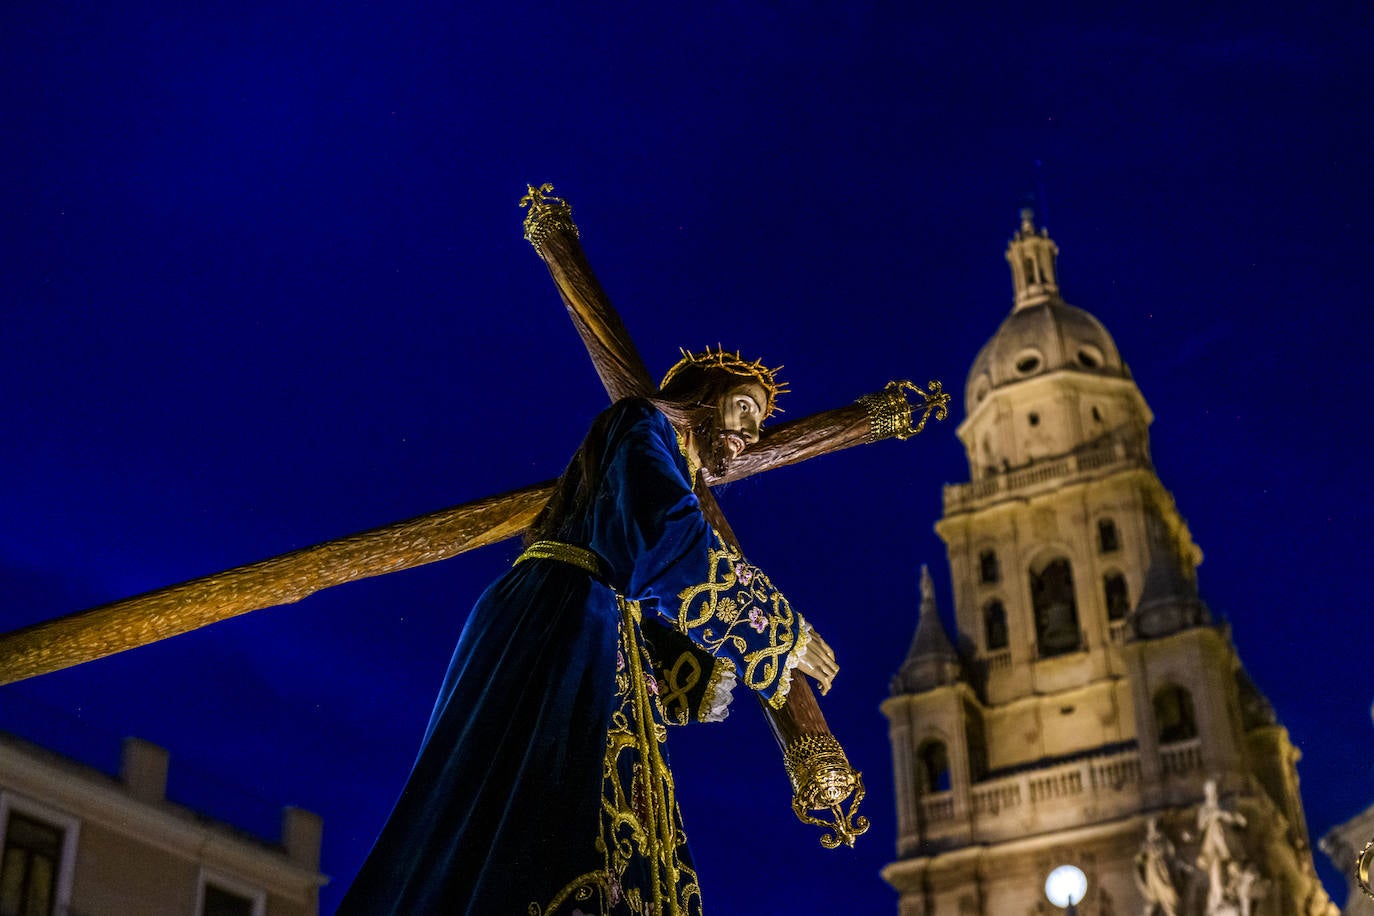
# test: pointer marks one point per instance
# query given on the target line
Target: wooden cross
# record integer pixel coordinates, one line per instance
(818, 778)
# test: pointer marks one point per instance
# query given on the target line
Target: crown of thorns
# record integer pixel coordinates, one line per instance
(723, 360)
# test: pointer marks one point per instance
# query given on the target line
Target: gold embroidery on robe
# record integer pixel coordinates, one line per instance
(640, 825)
(742, 598)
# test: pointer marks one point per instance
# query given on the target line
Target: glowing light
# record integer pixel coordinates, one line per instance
(1066, 884)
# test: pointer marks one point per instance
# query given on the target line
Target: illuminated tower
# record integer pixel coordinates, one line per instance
(1093, 691)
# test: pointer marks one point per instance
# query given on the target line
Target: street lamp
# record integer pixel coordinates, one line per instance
(1364, 868)
(1066, 886)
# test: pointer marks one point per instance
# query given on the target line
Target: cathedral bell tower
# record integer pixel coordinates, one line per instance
(1093, 694)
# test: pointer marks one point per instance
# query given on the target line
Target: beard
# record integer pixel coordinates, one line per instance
(717, 453)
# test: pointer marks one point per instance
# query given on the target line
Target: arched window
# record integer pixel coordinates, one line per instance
(933, 763)
(1056, 611)
(1114, 592)
(988, 572)
(1107, 540)
(1174, 716)
(995, 626)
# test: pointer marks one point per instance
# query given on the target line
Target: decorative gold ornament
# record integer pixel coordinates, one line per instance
(733, 363)
(890, 413)
(1364, 865)
(547, 214)
(821, 780)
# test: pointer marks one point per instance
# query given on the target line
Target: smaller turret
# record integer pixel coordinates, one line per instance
(1169, 599)
(931, 661)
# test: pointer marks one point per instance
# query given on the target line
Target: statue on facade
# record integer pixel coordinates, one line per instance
(1153, 872)
(1214, 857)
(1244, 885)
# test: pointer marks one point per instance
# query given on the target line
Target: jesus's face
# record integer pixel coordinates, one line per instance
(738, 415)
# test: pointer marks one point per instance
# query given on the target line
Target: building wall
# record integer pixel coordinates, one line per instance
(128, 850)
(116, 873)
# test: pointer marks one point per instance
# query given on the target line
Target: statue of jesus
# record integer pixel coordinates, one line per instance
(542, 786)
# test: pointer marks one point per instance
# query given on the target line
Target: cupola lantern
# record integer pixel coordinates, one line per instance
(1031, 255)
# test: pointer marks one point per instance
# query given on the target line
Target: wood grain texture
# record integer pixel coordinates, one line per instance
(614, 355)
(143, 619)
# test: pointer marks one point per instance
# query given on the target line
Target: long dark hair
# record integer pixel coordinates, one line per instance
(690, 402)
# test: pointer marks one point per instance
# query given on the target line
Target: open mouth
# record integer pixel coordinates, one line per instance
(734, 444)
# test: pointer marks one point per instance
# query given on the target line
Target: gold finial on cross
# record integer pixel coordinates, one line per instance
(891, 414)
(546, 214)
(822, 780)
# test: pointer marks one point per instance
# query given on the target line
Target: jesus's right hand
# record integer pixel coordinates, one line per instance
(818, 662)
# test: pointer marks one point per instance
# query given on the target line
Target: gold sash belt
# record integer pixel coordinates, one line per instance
(571, 554)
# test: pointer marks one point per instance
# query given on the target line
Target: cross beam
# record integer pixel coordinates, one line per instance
(161, 614)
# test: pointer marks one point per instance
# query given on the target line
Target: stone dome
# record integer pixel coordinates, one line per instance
(1045, 337)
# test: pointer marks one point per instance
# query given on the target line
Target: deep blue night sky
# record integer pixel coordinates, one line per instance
(263, 285)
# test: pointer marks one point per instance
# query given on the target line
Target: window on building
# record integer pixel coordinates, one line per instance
(1114, 591)
(1174, 716)
(29, 867)
(1028, 266)
(934, 767)
(217, 901)
(988, 571)
(1056, 610)
(995, 626)
(1107, 540)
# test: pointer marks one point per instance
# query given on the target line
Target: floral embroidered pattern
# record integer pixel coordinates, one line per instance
(741, 598)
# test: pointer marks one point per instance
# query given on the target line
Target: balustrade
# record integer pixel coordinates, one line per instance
(938, 806)
(1181, 757)
(960, 496)
(1048, 798)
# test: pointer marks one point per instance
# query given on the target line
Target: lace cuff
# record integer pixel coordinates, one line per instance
(715, 705)
(793, 660)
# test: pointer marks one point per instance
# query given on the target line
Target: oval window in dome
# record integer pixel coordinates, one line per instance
(1027, 361)
(1089, 357)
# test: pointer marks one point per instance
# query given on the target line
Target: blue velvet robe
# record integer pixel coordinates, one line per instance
(542, 786)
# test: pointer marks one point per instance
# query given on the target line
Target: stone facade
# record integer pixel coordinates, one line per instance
(79, 843)
(1091, 692)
